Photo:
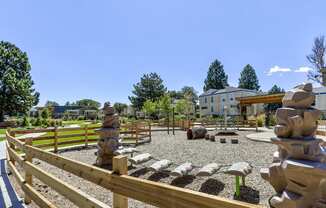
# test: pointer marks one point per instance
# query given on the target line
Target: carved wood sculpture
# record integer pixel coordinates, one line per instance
(298, 171)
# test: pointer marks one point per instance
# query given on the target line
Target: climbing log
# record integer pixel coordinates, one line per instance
(140, 158)
(182, 170)
(208, 170)
(160, 165)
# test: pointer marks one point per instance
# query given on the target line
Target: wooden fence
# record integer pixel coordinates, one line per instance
(55, 137)
(117, 181)
(220, 124)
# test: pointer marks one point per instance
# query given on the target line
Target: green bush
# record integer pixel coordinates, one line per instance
(272, 120)
(45, 123)
(45, 113)
(25, 122)
(81, 118)
(59, 122)
(52, 123)
(260, 120)
(32, 121)
(38, 121)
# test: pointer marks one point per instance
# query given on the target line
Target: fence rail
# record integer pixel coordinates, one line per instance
(117, 181)
(55, 137)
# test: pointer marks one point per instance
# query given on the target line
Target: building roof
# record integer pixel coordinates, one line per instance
(228, 89)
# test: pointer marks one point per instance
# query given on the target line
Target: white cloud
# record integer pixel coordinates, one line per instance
(276, 69)
(303, 69)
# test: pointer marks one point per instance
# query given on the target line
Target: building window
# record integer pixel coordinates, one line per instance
(231, 99)
(212, 109)
(223, 100)
(204, 107)
(205, 99)
(212, 99)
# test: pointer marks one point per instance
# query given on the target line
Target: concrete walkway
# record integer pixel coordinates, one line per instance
(268, 134)
(8, 196)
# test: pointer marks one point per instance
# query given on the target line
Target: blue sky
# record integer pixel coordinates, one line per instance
(99, 49)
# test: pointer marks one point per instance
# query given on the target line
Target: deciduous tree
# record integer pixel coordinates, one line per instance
(88, 103)
(150, 108)
(317, 59)
(119, 107)
(17, 94)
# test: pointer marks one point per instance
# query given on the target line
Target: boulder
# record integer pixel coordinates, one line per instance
(198, 132)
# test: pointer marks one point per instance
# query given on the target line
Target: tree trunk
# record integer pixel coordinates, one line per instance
(2, 117)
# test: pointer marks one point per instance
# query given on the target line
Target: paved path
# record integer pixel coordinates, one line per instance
(266, 136)
(8, 196)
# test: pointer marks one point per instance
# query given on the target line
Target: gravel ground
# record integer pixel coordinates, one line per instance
(178, 149)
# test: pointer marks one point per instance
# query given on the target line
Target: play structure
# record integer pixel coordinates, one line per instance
(298, 171)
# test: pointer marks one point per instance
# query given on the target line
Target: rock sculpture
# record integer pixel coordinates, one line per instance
(298, 171)
(109, 137)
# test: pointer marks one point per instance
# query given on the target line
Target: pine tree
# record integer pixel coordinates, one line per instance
(216, 77)
(248, 78)
(150, 87)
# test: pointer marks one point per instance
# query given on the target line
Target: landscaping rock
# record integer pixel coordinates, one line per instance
(207, 136)
(234, 141)
(199, 132)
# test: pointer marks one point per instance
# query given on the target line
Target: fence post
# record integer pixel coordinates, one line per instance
(256, 125)
(55, 139)
(120, 166)
(86, 135)
(12, 146)
(137, 134)
(173, 121)
(28, 176)
(150, 131)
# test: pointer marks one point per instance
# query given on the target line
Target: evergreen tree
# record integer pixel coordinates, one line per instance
(150, 87)
(51, 103)
(248, 78)
(16, 85)
(216, 77)
(271, 107)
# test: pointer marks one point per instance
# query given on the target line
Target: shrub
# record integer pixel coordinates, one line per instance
(45, 122)
(81, 118)
(25, 122)
(59, 122)
(32, 121)
(45, 113)
(38, 121)
(52, 123)
(260, 120)
(272, 120)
